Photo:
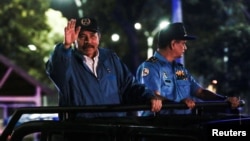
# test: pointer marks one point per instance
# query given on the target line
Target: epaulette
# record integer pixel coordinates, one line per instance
(179, 64)
(152, 59)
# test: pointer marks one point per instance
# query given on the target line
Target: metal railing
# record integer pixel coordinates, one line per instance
(34, 126)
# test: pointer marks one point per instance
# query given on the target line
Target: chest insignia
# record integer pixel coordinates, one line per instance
(164, 75)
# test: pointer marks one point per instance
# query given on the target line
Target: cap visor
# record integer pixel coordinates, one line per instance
(89, 29)
(189, 38)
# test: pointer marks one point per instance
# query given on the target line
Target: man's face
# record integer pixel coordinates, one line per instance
(88, 43)
(179, 47)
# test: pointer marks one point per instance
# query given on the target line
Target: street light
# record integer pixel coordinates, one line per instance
(115, 37)
(79, 4)
(32, 47)
(150, 35)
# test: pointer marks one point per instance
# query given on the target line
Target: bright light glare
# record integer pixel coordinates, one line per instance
(214, 82)
(137, 26)
(225, 59)
(115, 37)
(150, 52)
(150, 41)
(32, 47)
(164, 24)
(78, 3)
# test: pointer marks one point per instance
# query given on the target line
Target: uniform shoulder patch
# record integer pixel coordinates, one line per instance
(152, 59)
(145, 72)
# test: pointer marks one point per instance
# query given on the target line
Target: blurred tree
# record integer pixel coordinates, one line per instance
(24, 24)
(223, 43)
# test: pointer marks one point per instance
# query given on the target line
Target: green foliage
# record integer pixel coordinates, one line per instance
(220, 25)
(23, 23)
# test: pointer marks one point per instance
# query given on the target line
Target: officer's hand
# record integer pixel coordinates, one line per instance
(189, 102)
(234, 102)
(70, 33)
(156, 105)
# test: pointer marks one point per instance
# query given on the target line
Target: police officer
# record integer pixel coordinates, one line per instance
(170, 79)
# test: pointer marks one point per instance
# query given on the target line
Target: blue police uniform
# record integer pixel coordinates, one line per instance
(79, 86)
(172, 80)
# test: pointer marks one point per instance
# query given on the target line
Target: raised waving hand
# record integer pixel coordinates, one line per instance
(70, 33)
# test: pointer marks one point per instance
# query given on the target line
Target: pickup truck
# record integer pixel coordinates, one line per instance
(209, 120)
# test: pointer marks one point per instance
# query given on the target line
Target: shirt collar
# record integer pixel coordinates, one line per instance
(86, 58)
